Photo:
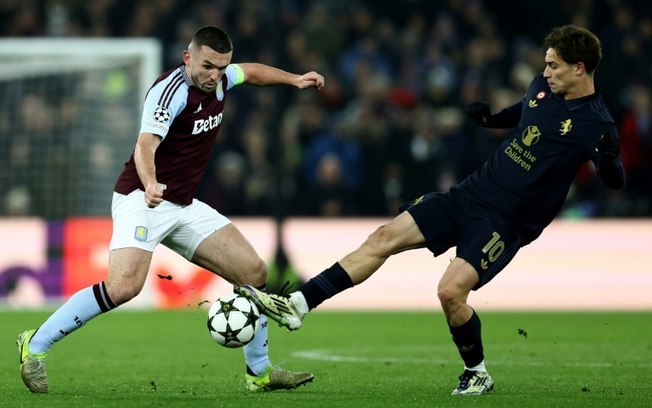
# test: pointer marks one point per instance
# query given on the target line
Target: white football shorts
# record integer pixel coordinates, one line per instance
(180, 228)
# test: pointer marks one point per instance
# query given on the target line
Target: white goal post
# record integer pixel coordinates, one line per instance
(69, 115)
(35, 56)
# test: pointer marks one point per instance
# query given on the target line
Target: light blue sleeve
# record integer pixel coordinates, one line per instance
(163, 103)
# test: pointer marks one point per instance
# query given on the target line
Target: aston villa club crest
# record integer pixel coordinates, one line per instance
(141, 234)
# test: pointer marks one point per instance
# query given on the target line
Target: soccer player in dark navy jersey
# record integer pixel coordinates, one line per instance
(560, 124)
(153, 203)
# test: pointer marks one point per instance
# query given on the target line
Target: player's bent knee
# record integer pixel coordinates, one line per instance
(123, 293)
(445, 295)
(450, 295)
(378, 242)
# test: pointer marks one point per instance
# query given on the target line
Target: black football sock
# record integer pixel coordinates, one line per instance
(325, 285)
(468, 340)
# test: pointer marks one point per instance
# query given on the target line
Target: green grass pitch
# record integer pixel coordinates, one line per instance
(374, 359)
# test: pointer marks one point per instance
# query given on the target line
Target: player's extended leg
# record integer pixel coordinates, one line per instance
(464, 324)
(127, 272)
(401, 234)
(227, 253)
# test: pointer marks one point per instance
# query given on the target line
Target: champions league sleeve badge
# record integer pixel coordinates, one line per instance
(161, 114)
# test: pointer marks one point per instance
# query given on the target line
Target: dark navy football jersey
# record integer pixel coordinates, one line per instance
(528, 177)
(187, 119)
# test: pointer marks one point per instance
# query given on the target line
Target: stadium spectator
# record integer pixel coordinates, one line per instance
(438, 54)
(337, 140)
(636, 142)
(226, 181)
(328, 195)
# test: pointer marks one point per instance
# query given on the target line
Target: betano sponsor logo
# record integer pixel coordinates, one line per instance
(204, 125)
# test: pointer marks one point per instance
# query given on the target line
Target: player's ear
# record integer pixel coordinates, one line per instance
(580, 68)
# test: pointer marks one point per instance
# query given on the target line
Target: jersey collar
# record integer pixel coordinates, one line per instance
(579, 102)
(184, 74)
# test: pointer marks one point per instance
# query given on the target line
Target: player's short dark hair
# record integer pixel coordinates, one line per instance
(575, 44)
(214, 38)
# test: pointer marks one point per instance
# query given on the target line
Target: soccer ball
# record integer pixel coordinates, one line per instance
(233, 321)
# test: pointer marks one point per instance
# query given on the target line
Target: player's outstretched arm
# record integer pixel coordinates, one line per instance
(610, 167)
(480, 112)
(263, 75)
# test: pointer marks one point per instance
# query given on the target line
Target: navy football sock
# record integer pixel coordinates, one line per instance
(325, 285)
(468, 340)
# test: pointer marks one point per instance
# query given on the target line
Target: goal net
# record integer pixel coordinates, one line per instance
(69, 116)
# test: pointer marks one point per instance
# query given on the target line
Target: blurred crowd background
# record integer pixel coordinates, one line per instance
(388, 126)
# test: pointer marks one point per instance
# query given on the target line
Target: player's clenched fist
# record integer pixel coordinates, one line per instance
(154, 194)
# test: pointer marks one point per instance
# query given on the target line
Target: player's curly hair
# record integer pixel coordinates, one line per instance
(575, 44)
(212, 37)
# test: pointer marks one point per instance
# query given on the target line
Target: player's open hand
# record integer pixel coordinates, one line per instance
(311, 80)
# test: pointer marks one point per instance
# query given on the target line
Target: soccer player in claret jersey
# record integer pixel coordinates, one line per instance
(561, 123)
(153, 203)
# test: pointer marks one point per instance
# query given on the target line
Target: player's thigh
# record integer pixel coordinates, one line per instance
(128, 269)
(209, 239)
(401, 234)
(195, 223)
(457, 281)
(436, 217)
(228, 253)
(137, 230)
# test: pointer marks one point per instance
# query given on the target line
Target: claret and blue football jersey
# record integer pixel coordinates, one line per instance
(187, 120)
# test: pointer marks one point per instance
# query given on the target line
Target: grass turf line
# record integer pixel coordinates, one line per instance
(375, 359)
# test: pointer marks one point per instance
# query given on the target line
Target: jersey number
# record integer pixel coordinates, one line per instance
(494, 247)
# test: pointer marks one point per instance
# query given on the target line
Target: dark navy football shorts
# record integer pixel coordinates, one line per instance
(481, 235)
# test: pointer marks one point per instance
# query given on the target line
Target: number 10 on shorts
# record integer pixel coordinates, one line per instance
(494, 247)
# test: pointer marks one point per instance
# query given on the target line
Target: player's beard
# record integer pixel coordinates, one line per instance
(208, 88)
(202, 85)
